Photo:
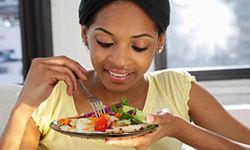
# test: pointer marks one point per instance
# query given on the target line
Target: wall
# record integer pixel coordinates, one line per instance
(66, 32)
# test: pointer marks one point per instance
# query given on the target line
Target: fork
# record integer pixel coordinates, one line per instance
(96, 103)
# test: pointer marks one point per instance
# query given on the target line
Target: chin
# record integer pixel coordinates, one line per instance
(117, 88)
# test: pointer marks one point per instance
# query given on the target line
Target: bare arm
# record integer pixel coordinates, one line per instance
(218, 126)
(21, 131)
(31, 137)
(203, 139)
(206, 112)
(36, 89)
(15, 128)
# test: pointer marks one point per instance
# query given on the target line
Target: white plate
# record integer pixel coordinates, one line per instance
(101, 135)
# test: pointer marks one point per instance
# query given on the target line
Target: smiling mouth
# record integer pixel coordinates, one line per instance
(118, 75)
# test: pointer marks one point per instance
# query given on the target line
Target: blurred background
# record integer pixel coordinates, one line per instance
(210, 39)
(10, 42)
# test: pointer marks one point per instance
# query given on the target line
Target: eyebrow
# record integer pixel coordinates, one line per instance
(134, 36)
(142, 35)
(103, 30)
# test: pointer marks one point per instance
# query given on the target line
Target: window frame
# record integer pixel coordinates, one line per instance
(36, 31)
(203, 74)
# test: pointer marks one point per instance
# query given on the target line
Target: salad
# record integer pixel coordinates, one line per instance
(119, 118)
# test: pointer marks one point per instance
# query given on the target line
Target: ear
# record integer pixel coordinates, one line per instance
(161, 42)
(84, 31)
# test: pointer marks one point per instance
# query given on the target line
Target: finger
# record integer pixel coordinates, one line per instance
(81, 67)
(57, 76)
(75, 66)
(65, 61)
(66, 71)
(161, 118)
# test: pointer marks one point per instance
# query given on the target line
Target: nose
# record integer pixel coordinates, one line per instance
(120, 57)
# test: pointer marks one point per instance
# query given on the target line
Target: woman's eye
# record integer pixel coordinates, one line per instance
(139, 49)
(104, 45)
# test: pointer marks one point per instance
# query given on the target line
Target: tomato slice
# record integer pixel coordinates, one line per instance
(101, 124)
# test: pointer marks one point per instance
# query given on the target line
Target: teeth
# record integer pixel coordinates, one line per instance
(117, 75)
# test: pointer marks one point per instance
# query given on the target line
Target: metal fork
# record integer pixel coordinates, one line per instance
(96, 103)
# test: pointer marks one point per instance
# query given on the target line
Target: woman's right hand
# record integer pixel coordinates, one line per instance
(44, 74)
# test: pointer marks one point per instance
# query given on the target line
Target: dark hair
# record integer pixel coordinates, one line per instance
(157, 10)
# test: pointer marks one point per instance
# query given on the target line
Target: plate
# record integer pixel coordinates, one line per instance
(134, 130)
(101, 135)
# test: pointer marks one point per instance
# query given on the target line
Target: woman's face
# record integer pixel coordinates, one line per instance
(122, 42)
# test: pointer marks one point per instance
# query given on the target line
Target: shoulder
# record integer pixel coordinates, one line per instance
(174, 87)
(176, 82)
(170, 75)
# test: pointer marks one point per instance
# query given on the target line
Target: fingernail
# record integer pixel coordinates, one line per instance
(82, 70)
(150, 119)
(84, 77)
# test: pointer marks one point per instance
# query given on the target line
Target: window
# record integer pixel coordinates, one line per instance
(211, 39)
(25, 33)
(10, 43)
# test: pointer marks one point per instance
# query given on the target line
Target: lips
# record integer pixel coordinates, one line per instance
(118, 75)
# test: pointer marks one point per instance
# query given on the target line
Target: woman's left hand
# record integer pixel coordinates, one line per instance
(167, 127)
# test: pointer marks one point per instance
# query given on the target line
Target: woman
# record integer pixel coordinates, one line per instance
(123, 36)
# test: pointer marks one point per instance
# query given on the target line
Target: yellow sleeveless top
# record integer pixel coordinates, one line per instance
(167, 89)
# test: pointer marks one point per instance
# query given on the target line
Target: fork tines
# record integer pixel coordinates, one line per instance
(98, 108)
(95, 102)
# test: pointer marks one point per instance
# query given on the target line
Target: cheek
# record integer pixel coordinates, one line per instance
(97, 57)
(144, 61)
